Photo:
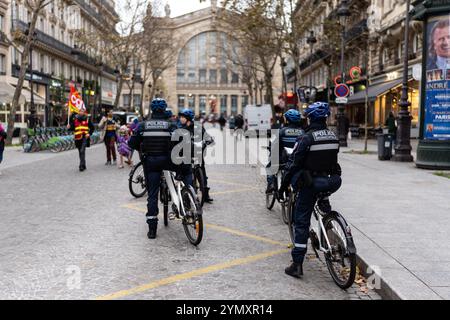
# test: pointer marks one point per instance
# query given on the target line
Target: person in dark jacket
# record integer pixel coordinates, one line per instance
(391, 125)
(3, 137)
(286, 138)
(239, 126)
(152, 139)
(222, 121)
(82, 128)
(187, 122)
(314, 166)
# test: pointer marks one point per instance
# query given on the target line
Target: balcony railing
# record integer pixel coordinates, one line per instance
(91, 12)
(58, 45)
(44, 38)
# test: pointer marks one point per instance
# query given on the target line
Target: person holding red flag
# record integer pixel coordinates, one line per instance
(81, 125)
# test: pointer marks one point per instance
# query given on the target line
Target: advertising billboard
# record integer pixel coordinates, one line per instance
(437, 86)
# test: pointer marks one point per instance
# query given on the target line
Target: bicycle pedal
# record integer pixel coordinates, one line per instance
(172, 216)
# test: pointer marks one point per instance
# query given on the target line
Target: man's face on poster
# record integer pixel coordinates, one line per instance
(441, 41)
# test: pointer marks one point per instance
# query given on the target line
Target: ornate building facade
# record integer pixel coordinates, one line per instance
(374, 46)
(202, 77)
(56, 56)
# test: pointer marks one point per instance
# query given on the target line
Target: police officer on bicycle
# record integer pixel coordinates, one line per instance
(152, 139)
(313, 168)
(287, 138)
(198, 133)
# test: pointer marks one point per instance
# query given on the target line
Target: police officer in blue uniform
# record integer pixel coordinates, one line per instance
(314, 168)
(287, 138)
(198, 133)
(153, 139)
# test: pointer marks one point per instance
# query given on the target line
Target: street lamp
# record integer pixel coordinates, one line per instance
(32, 107)
(311, 40)
(343, 13)
(403, 146)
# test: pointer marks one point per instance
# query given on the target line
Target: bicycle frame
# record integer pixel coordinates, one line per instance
(321, 232)
(175, 191)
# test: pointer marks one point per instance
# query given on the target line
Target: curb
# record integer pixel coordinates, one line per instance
(385, 290)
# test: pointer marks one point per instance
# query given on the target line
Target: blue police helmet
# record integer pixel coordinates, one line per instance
(188, 114)
(293, 116)
(318, 110)
(158, 105)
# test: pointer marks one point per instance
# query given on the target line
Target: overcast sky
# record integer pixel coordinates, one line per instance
(180, 7)
(177, 7)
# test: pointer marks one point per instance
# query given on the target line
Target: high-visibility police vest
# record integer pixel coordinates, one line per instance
(323, 152)
(289, 135)
(156, 138)
(81, 128)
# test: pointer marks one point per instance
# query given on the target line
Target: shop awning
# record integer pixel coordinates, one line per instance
(374, 92)
(7, 93)
(37, 98)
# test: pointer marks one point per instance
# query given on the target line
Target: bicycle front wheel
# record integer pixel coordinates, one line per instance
(340, 262)
(192, 220)
(290, 215)
(136, 182)
(285, 208)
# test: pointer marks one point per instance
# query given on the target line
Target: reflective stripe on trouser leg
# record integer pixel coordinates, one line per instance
(302, 222)
(153, 183)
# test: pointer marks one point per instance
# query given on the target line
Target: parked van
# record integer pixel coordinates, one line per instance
(258, 118)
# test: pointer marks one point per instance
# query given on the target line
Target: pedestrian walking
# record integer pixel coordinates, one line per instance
(109, 129)
(3, 137)
(239, 126)
(82, 128)
(391, 125)
(222, 121)
(122, 147)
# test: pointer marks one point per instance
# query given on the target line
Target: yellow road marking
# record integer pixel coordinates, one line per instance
(231, 191)
(245, 235)
(232, 183)
(223, 229)
(192, 274)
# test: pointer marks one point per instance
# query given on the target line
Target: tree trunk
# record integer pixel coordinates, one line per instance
(141, 107)
(119, 92)
(23, 70)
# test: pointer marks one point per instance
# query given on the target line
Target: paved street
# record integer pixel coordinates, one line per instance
(60, 226)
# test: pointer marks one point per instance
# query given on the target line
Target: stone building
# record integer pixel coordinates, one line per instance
(373, 48)
(56, 57)
(201, 76)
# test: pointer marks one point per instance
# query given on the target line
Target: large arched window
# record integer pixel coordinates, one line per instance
(204, 59)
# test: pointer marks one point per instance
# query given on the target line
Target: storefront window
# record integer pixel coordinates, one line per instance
(181, 101)
(202, 100)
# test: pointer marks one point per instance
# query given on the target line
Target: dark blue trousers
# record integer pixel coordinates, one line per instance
(153, 168)
(304, 207)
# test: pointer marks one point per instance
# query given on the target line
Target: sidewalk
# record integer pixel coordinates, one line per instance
(400, 217)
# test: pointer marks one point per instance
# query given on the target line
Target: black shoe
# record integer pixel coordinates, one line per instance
(108, 163)
(270, 189)
(295, 270)
(209, 200)
(152, 231)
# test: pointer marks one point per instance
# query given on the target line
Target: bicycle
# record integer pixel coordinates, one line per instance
(272, 197)
(136, 181)
(333, 237)
(185, 206)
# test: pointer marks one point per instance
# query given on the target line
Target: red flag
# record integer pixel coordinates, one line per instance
(75, 101)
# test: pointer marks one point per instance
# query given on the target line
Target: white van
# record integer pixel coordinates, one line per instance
(258, 118)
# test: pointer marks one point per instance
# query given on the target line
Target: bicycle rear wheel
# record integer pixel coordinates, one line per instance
(136, 182)
(192, 220)
(199, 185)
(340, 262)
